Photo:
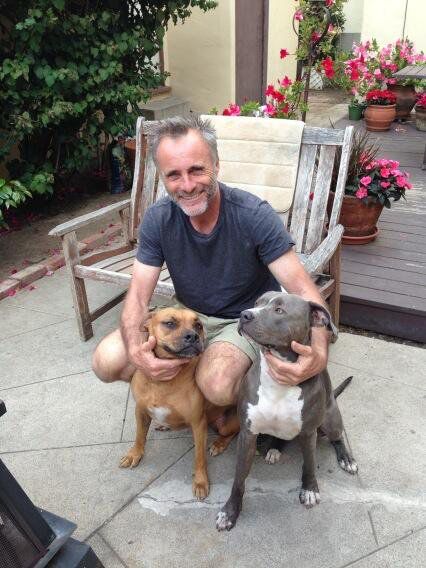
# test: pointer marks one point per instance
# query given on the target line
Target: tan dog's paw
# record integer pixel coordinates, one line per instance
(162, 428)
(132, 458)
(218, 446)
(200, 488)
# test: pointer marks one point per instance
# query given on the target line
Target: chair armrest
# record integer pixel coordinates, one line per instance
(88, 218)
(315, 261)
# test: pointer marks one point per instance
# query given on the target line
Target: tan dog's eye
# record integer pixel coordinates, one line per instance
(170, 324)
(198, 326)
(279, 310)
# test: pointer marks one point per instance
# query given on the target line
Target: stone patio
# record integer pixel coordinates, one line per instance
(65, 431)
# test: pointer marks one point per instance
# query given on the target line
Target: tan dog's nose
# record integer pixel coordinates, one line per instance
(190, 337)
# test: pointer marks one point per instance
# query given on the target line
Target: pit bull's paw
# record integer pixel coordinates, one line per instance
(309, 498)
(273, 456)
(218, 447)
(224, 521)
(348, 464)
(131, 459)
(200, 489)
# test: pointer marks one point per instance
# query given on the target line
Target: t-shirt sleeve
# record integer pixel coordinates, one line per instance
(270, 236)
(150, 251)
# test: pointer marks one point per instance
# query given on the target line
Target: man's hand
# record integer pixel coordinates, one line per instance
(310, 362)
(156, 369)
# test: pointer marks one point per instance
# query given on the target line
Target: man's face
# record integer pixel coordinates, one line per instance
(188, 171)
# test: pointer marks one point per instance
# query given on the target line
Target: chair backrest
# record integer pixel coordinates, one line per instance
(306, 217)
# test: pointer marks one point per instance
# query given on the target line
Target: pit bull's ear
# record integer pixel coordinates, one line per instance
(320, 317)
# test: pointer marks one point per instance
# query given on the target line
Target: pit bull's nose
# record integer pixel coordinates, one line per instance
(247, 315)
(190, 337)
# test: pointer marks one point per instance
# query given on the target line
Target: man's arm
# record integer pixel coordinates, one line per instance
(135, 312)
(289, 272)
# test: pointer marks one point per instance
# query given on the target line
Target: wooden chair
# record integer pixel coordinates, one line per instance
(318, 247)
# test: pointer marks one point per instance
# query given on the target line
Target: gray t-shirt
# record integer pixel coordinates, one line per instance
(222, 273)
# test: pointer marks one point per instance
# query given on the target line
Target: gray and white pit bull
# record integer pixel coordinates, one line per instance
(267, 407)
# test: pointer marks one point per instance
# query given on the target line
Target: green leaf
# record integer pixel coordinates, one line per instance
(50, 79)
(59, 4)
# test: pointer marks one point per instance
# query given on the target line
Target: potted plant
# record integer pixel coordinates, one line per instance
(420, 109)
(371, 185)
(373, 67)
(380, 111)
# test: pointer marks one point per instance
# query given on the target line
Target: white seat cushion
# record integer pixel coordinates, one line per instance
(260, 155)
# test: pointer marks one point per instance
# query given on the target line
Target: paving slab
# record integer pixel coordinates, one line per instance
(409, 552)
(105, 553)
(85, 484)
(166, 526)
(390, 360)
(53, 294)
(54, 351)
(16, 320)
(73, 410)
(385, 423)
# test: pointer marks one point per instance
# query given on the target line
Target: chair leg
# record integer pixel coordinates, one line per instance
(334, 299)
(78, 287)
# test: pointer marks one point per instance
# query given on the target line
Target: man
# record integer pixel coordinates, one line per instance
(223, 247)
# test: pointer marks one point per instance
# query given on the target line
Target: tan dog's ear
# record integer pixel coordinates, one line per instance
(146, 325)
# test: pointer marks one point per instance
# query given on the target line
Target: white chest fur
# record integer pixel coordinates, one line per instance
(159, 413)
(279, 409)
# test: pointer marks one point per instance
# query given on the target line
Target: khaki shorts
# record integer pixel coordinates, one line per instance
(221, 329)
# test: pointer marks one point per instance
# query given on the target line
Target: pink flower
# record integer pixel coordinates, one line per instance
(329, 3)
(232, 110)
(385, 184)
(11, 293)
(366, 180)
(330, 29)
(315, 36)
(401, 181)
(298, 15)
(284, 53)
(286, 82)
(361, 192)
(408, 185)
(384, 173)
(270, 110)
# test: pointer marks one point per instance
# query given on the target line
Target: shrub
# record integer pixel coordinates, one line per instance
(72, 73)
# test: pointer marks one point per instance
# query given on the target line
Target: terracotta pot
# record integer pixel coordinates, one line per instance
(405, 100)
(379, 118)
(420, 118)
(358, 218)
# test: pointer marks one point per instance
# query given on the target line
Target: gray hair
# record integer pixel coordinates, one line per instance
(177, 126)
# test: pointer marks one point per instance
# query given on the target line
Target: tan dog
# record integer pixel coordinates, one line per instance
(178, 403)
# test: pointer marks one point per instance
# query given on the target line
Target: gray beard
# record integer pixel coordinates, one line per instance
(210, 192)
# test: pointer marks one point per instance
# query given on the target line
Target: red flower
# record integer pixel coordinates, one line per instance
(270, 91)
(329, 3)
(315, 36)
(285, 109)
(379, 97)
(279, 97)
(284, 53)
(327, 65)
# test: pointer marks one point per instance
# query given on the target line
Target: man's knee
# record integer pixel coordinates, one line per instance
(109, 360)
(219, 388)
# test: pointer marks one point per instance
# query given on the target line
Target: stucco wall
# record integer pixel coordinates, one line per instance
(281, 36)
(387, 20)
(200, 55)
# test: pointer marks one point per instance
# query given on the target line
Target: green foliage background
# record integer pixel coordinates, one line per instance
(71, 71)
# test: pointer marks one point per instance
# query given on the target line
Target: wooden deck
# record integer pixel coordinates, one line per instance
(384, 282)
